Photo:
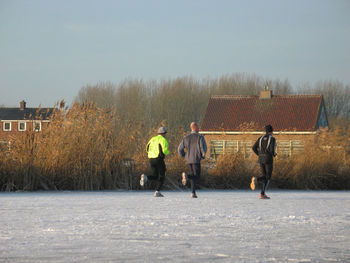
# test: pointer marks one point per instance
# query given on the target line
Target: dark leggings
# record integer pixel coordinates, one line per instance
(266, 170)
(194, 175)
(158, 171)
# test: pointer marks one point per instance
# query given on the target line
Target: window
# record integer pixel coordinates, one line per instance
(218, 147)
(37, 126)
(22, 126)
(286, 148)
(7, 126)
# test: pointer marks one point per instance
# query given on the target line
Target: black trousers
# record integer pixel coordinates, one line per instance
(194, 175)
(158, 171)
(264, 179)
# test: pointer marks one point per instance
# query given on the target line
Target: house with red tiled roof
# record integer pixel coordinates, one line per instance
(14, 121)
(233, 123)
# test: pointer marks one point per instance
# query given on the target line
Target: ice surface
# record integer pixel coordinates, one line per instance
(134, 226)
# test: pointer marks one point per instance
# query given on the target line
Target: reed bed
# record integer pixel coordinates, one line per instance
(82, 149)
(323, 165)
(90, 148)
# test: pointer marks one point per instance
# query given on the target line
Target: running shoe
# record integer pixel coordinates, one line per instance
(143, 179)
(253, 183)
(263, 196)
(158, 194)
(184, 178)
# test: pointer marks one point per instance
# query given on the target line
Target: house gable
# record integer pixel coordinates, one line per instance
(322, 118)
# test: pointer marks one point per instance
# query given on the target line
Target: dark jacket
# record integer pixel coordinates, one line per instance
(265, 148)
(195, 146)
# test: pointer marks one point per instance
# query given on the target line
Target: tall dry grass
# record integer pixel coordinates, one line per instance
(324, 164)
(82, 149)
(89, 148)
(231, 171)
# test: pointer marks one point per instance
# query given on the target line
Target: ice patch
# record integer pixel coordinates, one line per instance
(222, 226)
(299, 260)
(49, 230)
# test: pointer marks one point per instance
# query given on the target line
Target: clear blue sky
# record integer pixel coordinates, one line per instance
(50, 49)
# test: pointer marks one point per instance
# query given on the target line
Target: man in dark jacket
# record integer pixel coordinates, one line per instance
(265, 148)
(196, 149)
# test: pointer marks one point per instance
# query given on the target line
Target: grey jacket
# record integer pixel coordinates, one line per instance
(195, 146)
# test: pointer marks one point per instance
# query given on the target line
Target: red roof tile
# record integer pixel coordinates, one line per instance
(283, 112)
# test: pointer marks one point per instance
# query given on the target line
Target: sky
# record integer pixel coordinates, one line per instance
(50, 49)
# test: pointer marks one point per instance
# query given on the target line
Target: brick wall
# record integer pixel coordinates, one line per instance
(11, 135)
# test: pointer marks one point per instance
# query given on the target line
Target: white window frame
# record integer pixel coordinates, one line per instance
(287, 148)
(34, 125)
(218, 147)
(19, 125)
(4, 124)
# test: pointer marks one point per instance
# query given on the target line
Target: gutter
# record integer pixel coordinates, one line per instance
(257, 132)
(24, 120)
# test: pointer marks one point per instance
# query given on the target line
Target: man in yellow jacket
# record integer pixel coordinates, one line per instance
(157, 149)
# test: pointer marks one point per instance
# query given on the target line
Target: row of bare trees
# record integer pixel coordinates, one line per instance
(336, 95)
(182, 100)
(99, 142)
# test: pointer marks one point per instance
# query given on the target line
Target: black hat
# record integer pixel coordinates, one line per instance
(268, 128)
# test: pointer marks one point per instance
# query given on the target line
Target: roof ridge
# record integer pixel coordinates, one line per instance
(299, 95)
(27, 108)
(231, 96)
(274, 96)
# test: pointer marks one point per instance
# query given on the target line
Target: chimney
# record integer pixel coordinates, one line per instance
(62, 104)
(22, 105)
(266, 93)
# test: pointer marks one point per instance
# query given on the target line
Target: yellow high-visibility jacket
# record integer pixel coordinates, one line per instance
(157, 147)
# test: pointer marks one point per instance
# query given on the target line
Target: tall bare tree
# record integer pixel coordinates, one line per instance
(336, 95)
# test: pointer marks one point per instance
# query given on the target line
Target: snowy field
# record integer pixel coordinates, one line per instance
(133, 226)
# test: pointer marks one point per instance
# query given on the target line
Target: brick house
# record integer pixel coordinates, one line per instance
(233, 123)
(14, 121)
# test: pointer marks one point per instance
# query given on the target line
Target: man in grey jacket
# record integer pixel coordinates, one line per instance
(196, 149)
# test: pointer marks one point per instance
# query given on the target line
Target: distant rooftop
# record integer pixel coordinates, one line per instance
(24, 113)
(283, 112)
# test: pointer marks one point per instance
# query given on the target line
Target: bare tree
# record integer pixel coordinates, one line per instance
(103, 95)
(336, 95)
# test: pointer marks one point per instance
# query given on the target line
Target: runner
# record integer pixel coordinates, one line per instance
(156, 149)
(196, 149)
(265, 148)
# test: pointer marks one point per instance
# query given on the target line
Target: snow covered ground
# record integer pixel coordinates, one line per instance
(133, 226)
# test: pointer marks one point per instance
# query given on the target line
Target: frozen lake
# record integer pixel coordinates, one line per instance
(133, 226)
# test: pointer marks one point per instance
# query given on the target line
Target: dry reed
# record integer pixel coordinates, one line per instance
(89, 148)
(82, 149)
